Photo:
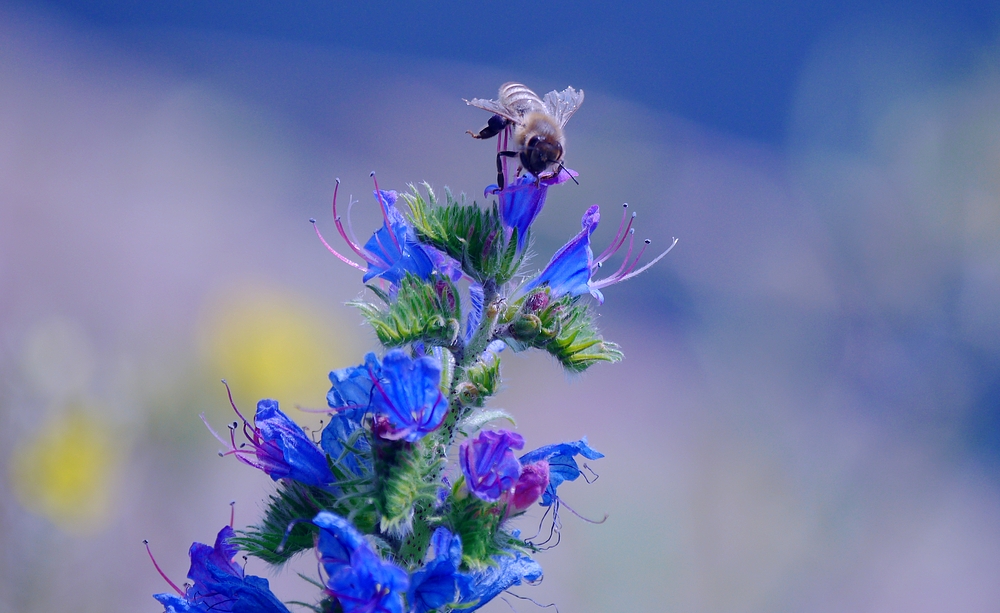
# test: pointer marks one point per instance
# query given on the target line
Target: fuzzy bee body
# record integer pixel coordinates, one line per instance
(539, 141)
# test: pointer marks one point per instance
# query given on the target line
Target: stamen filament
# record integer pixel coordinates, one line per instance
(340, 226)
(331, 249)
(654, 261)
(179, 591)
(385, 213)
(622, 230)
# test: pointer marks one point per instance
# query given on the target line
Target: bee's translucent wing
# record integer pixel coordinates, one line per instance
(494, 107)
(562, 105)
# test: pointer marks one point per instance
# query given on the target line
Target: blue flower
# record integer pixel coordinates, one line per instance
(279, 447)
(571, 268)
(488, 463)
(510, 570)
(522, 200)
(562, 465)
(352, 386)
(438, 582)
(393, 251)
(350, 397)
(568, 272)
(359, 579)
(336, 435)
(409, 394)
(219, 584)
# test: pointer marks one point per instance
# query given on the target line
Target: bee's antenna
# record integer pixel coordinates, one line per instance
(562, 167)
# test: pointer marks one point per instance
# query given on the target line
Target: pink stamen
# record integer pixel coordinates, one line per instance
(232, 402)
(654, 261)
(628, 255)
(232, 513)
(620, 276)
(211, 429)
(619, 238)
(179, 591)
(340, 226)
(331, 249)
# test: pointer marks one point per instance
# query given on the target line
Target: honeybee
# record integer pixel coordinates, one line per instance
(538, 123)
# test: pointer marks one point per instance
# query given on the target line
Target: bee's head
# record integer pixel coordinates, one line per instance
(540, 153)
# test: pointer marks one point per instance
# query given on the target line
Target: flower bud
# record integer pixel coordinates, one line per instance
(536, 301)
(526, 327)
(468, 394)
(530, 484)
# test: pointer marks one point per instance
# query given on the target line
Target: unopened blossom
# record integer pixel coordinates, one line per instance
(489, 464)
(533, 480)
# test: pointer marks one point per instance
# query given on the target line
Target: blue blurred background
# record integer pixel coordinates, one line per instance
(808, 416)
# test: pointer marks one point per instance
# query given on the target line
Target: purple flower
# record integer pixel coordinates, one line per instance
(488, 463)
(438, 582)
(393, 251)
(359, 579)
(522, 200)
(409, 394)
(279, 446)
(571, 268)
(510, 570)
(562, 465)
(219, 584)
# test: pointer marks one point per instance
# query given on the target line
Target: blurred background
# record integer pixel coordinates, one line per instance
(808, 415)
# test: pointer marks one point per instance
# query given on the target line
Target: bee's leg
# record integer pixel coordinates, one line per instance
(500, 156)
(492, 127)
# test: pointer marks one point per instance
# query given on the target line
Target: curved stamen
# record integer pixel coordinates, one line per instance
(385, 213)
(628, 256)
(654, 261)
(619, 238)
(159, 570)
(331, 249)
(340, 226)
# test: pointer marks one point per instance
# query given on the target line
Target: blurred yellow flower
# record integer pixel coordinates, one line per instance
(67, 471)
(271, 344)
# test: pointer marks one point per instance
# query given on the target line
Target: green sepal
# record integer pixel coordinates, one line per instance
(474, 236)
(428, 311)
(406, 477)
(565, 328)
(477, 522)
(296, 504)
